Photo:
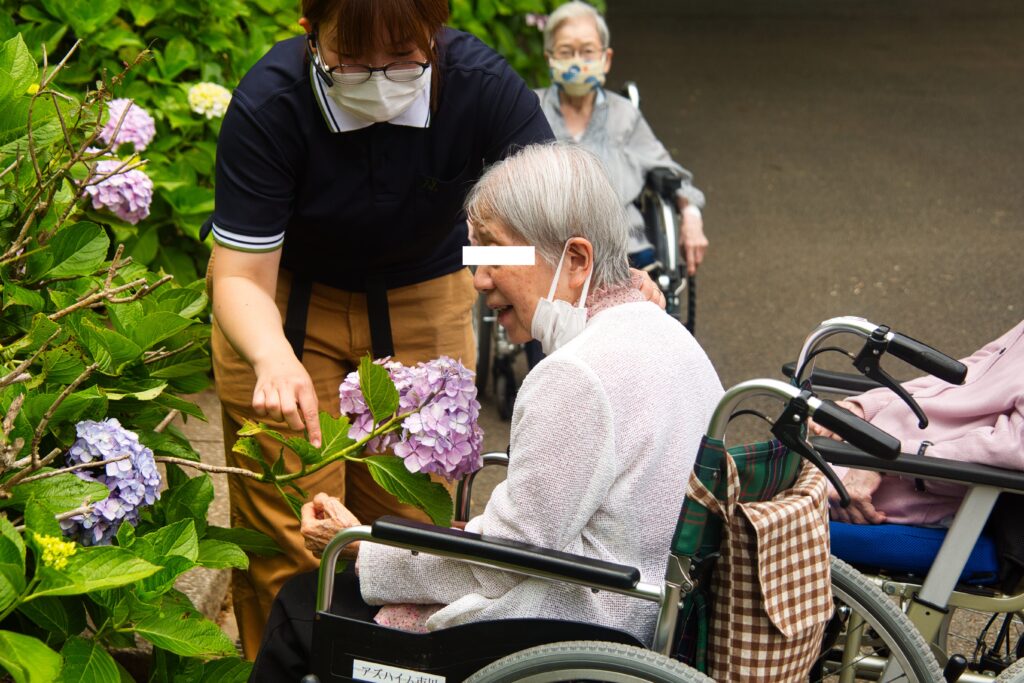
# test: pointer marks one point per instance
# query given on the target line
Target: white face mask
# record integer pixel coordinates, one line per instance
(556, 322)
(377, 99)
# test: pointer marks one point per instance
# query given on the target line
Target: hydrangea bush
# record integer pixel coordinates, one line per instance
(96, 352)
(426, 414)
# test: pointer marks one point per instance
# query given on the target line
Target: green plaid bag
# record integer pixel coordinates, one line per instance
(765, 469)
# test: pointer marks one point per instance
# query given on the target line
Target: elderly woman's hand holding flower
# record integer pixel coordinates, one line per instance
(322, 519)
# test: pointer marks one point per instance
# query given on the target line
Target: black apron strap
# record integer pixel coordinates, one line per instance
(298, 310)
(380, 318)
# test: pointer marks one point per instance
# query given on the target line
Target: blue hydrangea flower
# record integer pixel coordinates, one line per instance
(133, 482)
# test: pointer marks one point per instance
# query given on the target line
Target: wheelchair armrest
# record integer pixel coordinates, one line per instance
(664, 182)
(841, 382)
(921, 466)
(506, 552)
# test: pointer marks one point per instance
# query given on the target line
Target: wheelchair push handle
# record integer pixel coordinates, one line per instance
(856, 431)
(664, 182)
(927, 359)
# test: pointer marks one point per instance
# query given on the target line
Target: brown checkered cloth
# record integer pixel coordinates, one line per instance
(772, 586)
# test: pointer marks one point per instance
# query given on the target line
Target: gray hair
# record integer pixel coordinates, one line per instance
(573, 10)
(549, 193)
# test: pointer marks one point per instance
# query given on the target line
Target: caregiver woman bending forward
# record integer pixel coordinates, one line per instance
(604, 432)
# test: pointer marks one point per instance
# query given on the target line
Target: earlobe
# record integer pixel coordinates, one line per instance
(306, 26)
(608, 60)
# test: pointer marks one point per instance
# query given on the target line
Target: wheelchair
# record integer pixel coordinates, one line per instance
(540, 649)
(945, 580)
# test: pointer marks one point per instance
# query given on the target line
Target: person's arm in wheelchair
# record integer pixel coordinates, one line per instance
(561, 473)
(693, 244)
(1000, 443)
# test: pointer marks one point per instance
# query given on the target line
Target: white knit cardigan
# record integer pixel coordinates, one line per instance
(604, 434)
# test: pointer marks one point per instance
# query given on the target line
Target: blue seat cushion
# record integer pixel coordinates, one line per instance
(911, 549)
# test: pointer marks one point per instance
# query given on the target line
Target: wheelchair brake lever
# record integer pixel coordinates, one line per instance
(788, 429)
(868, 363)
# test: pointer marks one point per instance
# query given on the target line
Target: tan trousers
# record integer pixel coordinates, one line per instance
(428, 320)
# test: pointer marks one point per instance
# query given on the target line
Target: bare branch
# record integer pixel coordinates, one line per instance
(45, 421)
(12, 414)
(146, 289)
(154, 356)
(216, 469)
(114, 266)
(167, 420)
(14, 376)
(14, 165)
(60, 65)
(72, 468)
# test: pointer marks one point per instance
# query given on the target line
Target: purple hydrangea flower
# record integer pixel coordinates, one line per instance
(127, 194)
(133, 482)
(138, 126)
(441, 436)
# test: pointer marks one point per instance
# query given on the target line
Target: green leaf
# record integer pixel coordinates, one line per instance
(221, 555)
(12, 583)
(58, 493)
(378, 389)
(96, 568)
(19, 296)
(87, 662)
(27, 659)
(81, 404)
(142, 395)
(18, 71)
(111, 351)
(162, 443)
(12, 547)
(179, 538)
(334, 433)
(63, 364)
(161, 582)
(227, 670)
(64, 616)
(178, 55)
(40, 519)
(189, 501)
(156, 327)
(143, 11)
(249, 447)
(248, 540)
(411, 488)
(125, 536)
(84, 17)
(77, 250)
(184, 631)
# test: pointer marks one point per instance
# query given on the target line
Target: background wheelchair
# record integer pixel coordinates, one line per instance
(946, 580)
(546, 650)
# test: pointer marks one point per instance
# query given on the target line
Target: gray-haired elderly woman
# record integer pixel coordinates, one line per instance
(604, 432)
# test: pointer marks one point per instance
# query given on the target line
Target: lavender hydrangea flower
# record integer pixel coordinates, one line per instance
(441, 436)
(137, 127)
(127, 194)
(133, 482)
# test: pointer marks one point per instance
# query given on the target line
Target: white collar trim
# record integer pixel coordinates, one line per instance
(340, 121)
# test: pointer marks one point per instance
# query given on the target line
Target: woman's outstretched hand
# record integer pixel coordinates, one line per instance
(322, 519)
(284, 392)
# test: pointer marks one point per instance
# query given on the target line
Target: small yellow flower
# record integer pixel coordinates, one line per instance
(32, 89)
(55, 551)
(209, 99)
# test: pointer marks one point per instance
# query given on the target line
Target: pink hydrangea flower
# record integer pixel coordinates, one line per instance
(441, 436)
(127, 194)
(138, 126)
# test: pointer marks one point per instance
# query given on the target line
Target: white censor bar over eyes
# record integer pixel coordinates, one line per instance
(498, 256)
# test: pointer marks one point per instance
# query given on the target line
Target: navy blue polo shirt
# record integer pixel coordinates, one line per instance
(384, 201)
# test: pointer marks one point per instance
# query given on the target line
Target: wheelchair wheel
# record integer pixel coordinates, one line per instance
(989, 641)
(867, 632)
(483, 320)
(588, 661)
(1014, 674)
(505, 389)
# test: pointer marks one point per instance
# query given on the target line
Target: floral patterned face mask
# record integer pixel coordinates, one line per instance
(577, 77)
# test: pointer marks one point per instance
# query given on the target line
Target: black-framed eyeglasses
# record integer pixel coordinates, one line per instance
(354, 74)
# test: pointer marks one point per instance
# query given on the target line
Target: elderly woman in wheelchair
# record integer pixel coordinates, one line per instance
(604, 433)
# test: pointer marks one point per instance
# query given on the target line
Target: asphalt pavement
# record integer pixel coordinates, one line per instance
(859, 158)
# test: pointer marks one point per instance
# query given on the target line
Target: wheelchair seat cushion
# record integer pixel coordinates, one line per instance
(911, 549)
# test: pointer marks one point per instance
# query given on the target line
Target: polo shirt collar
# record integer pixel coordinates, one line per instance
(340, 121)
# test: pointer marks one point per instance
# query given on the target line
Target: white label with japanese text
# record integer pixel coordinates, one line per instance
(372, 671)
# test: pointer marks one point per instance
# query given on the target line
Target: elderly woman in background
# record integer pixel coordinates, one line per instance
(579, 109)
(604, 431)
